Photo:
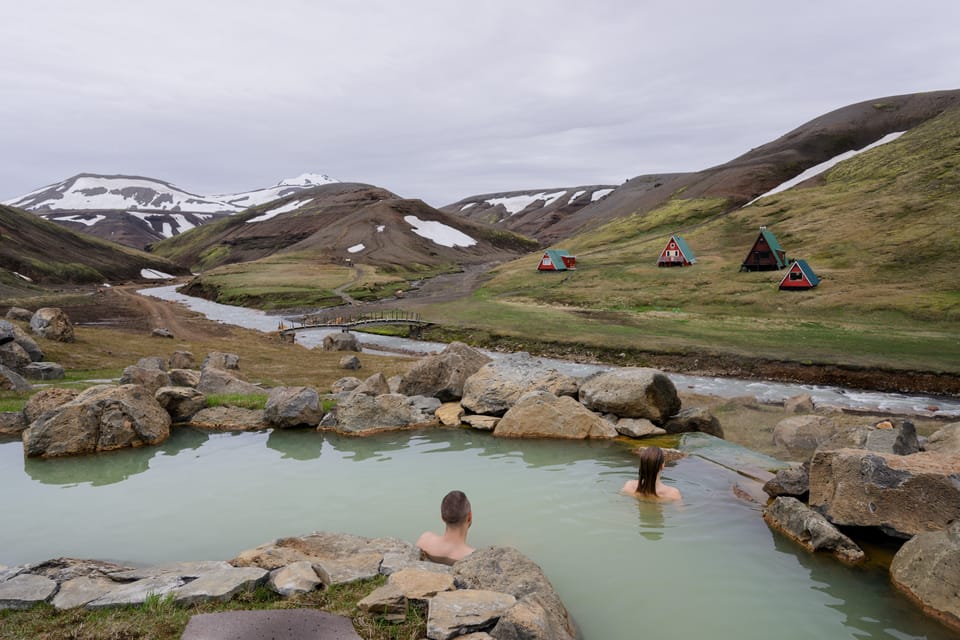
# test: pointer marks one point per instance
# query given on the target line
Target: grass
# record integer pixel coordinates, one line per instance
(251, 401)
(160, 619)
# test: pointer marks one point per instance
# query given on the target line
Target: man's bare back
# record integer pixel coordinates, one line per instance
(438, 548)
(457, 515)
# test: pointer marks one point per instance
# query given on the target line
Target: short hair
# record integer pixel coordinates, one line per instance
(651, 461)
(455, 507)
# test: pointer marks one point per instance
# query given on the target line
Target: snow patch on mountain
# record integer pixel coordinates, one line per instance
(274, 212)
(600, 193)
(439, 233)
(170, 224)
(576, 195)
(81, 219)
(516, 204)
(357, 248)
(285, 187)
(824, 166)
(153, 274)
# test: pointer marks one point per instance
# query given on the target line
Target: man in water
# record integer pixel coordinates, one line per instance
(452, 545)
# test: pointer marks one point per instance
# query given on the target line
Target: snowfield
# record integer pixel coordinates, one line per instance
(284, 208)
(439, 233)
(153, 274)
(357, 248)
(516, 204)
(285, 187)
(87, 221)
(599, 194)
(824, 166)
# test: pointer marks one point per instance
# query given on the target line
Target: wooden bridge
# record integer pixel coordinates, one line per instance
(347, 321)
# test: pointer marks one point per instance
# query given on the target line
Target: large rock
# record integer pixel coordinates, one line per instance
(540, 414)
(229, 419)
(19, 313)
(78, 592)
(496, 386)
(12, 423)
(214, 381)
(375, 385)
(903, 495)
(810, 529)
(340, 341)
(184, 378)
(14, 357)
(694, 419)
(456, 613)
(152, 362)
(27, 343)
(53, 324)
(43, 371)
(927, 568)
(803, 433)
(638, 428)
(296, 577)
(506, 570)
(362, 413)
(182, 403)
(632, 392)
(137, 592)
(883, 437)
(47, 400)
(443, 375)
(351, 363)
(392, 600)
(792, 481)
(182, 360)
(101, 418)
(150, 377)
(220, 360)
(344, 385)
(293, 407)
(220, 585)
(24, 591)
(946, 440)
(10, 380)
(449, 414)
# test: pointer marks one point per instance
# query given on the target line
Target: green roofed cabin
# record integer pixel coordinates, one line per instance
(766, 254)
(798, 277)
(677, 253)
(557, 260)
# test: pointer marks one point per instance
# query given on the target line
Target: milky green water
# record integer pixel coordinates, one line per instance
(706, 568)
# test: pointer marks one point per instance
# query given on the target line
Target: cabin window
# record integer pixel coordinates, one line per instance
(763, 255)
(796, 275)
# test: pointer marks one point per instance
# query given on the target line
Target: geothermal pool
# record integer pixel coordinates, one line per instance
(706, 568)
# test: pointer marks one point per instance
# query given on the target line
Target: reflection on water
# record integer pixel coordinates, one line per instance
(705, 567)
(109, 467)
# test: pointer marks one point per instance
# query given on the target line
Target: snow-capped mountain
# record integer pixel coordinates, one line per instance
(280, 190)
(88, 191)
(136, 211)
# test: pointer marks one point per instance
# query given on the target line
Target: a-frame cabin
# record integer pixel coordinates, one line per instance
(557, 260)
(798, 277)
(766, 254)
(677, 253)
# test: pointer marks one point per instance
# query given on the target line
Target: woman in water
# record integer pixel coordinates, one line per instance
(647, 484)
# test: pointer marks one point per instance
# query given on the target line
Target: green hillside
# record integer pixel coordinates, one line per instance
(882, 230)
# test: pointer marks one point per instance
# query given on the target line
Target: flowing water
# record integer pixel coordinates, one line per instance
(705, 568)
(764, 391)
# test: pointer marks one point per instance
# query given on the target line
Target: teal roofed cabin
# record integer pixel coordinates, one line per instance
(677, 253)
(557, 260)
(766, 254)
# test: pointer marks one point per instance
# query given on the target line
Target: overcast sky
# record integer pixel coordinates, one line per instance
(439, 100)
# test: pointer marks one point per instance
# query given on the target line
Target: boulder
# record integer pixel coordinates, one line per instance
(78, 592)
(162, 332)
(449, 414)
(297, 577)
(53, 324)
(506, 570)
(214, 381)
(101, 418)
(455, 613)
(152, 362)
(351, 363)
(481, 423)
(391, 600)
(150, 377)
(182, 403)
(182, 360)
(26, 590)
(945, 440)
(632, 392)
(137, 592)
(43, 371)
(927, 568)
(293, 407)
(28, 344)
(220, 585)
(375, 385)
(810, 529)
(345, 385)
(229, 419)
(47, 400)
(497, 385)
(394, 382)
(792, 481)
(540, 414)
(19, 313)
(362, 413)
(14, 357)
(340, 341)
(220, 360)
(443, 375)
(803, 433)
(694, 419)
(10, 380)
(184, 378)
(638, 428)
(883, 437)
(6, 332)
(902, 495)
(12, 423)
(802, 403)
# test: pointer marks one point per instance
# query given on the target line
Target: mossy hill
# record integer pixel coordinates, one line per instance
(48, 253)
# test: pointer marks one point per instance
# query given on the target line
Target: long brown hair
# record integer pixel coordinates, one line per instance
(651, 461)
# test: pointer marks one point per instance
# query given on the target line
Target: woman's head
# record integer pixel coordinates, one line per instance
(651, 461)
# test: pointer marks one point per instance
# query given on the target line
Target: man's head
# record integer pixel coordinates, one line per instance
(455, 508)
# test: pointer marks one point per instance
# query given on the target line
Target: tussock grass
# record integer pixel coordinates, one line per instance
(251, 401)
